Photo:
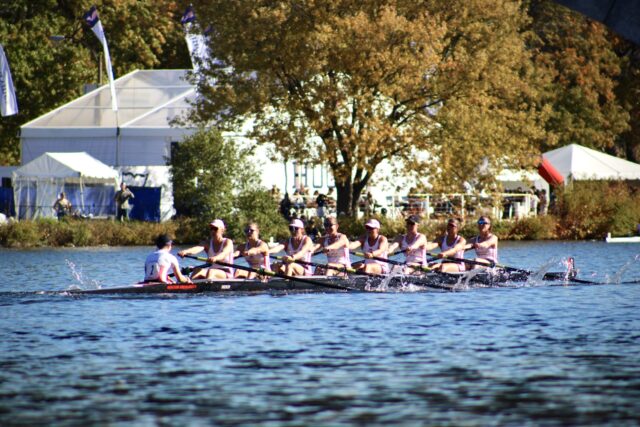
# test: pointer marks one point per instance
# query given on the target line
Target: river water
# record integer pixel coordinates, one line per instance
(533, 355)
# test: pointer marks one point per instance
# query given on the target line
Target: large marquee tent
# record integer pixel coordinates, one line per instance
(578, 163)
(90, 185)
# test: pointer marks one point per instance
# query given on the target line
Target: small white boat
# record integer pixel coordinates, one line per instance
(631, 239)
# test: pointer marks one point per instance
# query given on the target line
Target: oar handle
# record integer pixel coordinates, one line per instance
(264, 272)
(331, 267)
(490, 264)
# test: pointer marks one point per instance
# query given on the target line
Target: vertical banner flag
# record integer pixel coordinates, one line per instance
(96, 26)
(8, 101)
(196, 43)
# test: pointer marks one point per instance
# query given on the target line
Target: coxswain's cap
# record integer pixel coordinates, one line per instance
(163, 240)
(414, 219)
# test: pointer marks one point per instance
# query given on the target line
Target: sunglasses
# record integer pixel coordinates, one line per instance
(293, 228)
(213, 228)
(483, 222)
(329, 224)
(249, 230)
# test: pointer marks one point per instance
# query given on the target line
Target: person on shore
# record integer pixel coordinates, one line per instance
(374, 245)
(254, 251)
(160, 263)
(62, 206)
(335, 246)
(298, 247)
(122, 198)
(452, 245)
(218, 248)
(413, 245)
(485, 244)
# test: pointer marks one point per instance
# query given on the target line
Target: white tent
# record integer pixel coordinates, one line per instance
(576, 162)
(512, 180)
(90, 185)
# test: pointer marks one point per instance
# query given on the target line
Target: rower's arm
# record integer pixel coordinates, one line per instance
(429, 246)
(355, 245)
(226, 250)
(191, 251)
(277, 248)
(490, 242)
(340, 243)
(181, 277)
(452, 251)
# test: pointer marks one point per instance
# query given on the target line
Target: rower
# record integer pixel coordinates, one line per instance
(218, 248)
(451, 245)
(485, 244)
(159, 263)
(373, 245)
(255, 251)
(336, 247)
(413, 245)
(298, 247)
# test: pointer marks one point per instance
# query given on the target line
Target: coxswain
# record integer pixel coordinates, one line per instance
(413, 245)
(159, 263)
(335, 246)
(374, 245)
(298, 247)
(485, 244)
(452, 245)
(218, 248)
(254, 251)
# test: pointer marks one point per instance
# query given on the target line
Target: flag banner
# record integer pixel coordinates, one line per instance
(196, 43)
(8, 101)
(92, 19)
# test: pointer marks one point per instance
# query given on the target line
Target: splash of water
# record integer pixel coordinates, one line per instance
(537, 277)
(616, 278)
(78, 276)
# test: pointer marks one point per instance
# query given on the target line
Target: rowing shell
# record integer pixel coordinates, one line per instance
(441, 282)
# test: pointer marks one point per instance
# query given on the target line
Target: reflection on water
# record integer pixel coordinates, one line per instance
(533, 355)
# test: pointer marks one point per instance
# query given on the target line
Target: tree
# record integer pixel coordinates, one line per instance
(48, 73)
(207, 173)
(579, 55)
(354, 83)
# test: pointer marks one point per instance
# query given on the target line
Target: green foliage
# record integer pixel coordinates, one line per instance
(591, 209)
(258, 205)
(208, 174)
(531, 228)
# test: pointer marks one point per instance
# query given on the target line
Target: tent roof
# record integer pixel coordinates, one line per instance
(146, 98)
(66, 165)
(582, 163)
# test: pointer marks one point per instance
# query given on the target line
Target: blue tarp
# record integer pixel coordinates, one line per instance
(146, 204)
(6, 201)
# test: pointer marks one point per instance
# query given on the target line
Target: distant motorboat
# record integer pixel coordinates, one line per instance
(630, 239)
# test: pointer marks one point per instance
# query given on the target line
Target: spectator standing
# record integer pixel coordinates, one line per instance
(62, 206)
(321, 205)
(285, 207)
(122, 202)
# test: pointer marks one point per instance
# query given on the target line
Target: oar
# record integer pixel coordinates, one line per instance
(329, 267)
(481, 263)
(264, 272)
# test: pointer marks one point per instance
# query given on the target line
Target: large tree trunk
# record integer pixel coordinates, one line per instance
(344, 202)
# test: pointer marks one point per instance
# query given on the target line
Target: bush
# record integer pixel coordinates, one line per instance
(591, 209)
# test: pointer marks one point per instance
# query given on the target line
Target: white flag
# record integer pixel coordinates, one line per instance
(196, 43)
(96, 26)
(8, 101)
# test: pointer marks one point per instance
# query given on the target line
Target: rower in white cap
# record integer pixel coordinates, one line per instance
(298, 247)
(218, 248)
(373, 245)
